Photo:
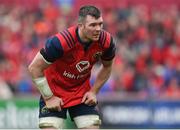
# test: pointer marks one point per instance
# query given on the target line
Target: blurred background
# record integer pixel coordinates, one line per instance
(144, 88)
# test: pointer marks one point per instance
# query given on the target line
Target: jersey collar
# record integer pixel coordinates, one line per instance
(86, 45)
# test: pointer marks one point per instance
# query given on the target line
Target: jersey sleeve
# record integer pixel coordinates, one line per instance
(52, 50)
(109, 53)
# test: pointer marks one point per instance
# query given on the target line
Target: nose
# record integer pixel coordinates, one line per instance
(98, 28)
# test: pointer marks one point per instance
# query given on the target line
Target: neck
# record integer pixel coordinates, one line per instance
(82, 37)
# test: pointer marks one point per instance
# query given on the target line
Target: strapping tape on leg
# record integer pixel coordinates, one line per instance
(87, 121)
(51, 122)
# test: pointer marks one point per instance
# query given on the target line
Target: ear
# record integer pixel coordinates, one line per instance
(79, 24)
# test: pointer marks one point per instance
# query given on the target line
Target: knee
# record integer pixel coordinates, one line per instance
(88, 121)
(51, 122)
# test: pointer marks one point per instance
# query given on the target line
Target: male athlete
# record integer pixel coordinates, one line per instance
(61, 71)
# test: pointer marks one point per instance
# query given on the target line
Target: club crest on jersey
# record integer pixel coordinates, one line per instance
(97, 55)
(82, 65)
(44, 110)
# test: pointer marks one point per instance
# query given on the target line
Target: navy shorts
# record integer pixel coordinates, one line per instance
(74, 111)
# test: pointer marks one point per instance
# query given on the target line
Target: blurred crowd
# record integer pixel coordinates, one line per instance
(148, 46)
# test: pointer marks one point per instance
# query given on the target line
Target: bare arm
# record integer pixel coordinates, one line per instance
(102, 76)
(36, 70)
(37, 66)
(47, 55)
(90, 97)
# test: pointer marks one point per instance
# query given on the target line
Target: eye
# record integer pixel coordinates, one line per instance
(96, 24)
(93, 25)
(100, 24)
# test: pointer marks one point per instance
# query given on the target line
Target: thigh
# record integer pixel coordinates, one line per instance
(82, 109)
(84, 116)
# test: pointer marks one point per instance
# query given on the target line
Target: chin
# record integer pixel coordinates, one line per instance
(95, 39)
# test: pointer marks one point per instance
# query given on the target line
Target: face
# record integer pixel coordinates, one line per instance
(91, 28)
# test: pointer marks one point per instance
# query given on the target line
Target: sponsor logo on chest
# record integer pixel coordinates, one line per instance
(81, 66)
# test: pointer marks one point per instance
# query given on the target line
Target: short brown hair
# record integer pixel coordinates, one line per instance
(88, 10)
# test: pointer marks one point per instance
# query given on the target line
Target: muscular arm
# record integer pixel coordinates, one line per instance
(41, 61)
(46, 56)
(52, 51)
(105, 71)
(36, 70)
(37, 66)
(102, 76)
(89, 98)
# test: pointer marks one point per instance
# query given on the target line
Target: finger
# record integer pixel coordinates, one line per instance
(96, 102)
(49, 107)
(61, 102)
(52, 109)
(92, 102)
(59, 108)
(84, 98)
(88, 101)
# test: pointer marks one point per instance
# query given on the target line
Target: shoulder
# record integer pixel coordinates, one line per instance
(108, 45)
(105, 39)
(53, 41)
(67, 38)
(52, 50)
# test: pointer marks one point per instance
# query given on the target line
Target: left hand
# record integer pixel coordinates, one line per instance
(89, 98)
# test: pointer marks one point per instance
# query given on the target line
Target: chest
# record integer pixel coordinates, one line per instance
(79, 55)
(78, 61)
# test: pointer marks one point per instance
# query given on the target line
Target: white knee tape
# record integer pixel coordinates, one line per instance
(87, 121)
(51, 122)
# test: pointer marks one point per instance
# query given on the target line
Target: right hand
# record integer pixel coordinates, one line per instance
(54, 103)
